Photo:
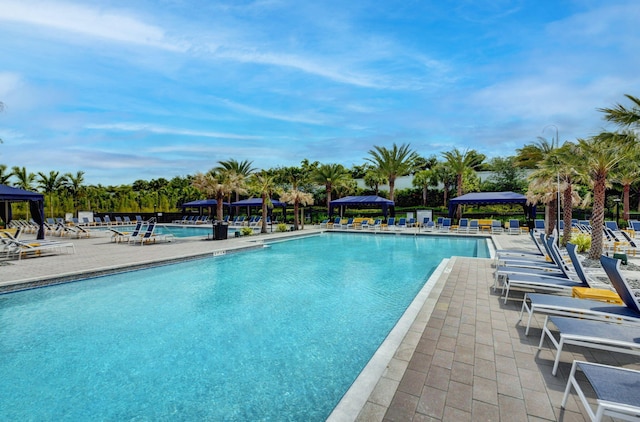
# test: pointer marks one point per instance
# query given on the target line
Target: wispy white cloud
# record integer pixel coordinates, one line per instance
(87, 21)
(153, 128)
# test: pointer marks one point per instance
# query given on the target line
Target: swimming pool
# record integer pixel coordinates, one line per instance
(177, 231)
(278, 333)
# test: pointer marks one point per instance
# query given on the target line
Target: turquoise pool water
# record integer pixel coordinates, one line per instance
(178, 231)
(278, 333)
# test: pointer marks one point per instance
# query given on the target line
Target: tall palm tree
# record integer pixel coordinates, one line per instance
(295, 177)
(25, 179)
(242, 169)
(74, 185)
(215, 184)
(423, 179)
(394, 162)
(569, 175)
(626, 174)
(460, 162)
(622, 115)
(50, 184)
(447, 177)
(600, 155)
(263, 184)
(541, 155)
(330, 176)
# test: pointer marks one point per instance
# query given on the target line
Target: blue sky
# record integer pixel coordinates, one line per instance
(146, 89)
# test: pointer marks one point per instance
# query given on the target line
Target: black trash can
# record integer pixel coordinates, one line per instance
(220, 230)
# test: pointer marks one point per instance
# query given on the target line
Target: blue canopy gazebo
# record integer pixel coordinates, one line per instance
(488, 198)
(369, 201)
(257, 202)
(10, 194)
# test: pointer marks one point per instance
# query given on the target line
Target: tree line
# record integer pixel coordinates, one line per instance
(580, 171)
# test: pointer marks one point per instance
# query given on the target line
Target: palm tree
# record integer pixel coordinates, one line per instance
(460, 162)
(600, 155)
(568, 173)
(216, 184)
(391, 163)
(622, 115)
(73, 184)
(295, 177)
(444, 174)
(330, 176)
(373, 178)
(50, 184)
(626, 174)
(242, 169)
(538, 156)
(263, 184)
(4, 175)
(423, 179)
(25, 179)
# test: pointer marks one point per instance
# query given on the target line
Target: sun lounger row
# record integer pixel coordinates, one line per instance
(595, 325)
(12, 247)
(142, 234)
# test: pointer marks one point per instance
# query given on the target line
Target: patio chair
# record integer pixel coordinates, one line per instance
(538, 225)
(474, 226)
(35, 247)
(496, 227)
(599, 335)
(463, 225)
(391, 223)
(615, 389)
(402, 224)
(127, 220)
(540, 279)
(135, 233)
(514, 227)
(445, 226)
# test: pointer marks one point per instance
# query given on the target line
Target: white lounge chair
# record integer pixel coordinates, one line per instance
(616, 390)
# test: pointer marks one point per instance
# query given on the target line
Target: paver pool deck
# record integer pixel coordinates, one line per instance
(463, 358)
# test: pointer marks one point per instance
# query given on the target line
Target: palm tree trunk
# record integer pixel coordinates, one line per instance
(295, 214)
(597, 219)
(263, 228)
(392, 187)
(424, 196)
(567, 214)
(220, 199)
(328, 188)
(625, 201)
(553, 216)
(459, 208)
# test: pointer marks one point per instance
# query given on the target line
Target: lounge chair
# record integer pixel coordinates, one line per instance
(496, 227)
(364, 224)
(134, 234)
(474, 226)
(612, 268)
(542, 279)
(446, 225)
(402, 223)
(391, 223)
(463, 225)
(350, 224)
(97, 221)
(127, 220)
(180, 221)
(616, 390)
(377, 224)
(35, 247)
(425, 221)
(117, 236)
(119, 221)
(514, 227)
(144, 236)
(613, 337)
(538, 225)
(107, 220)
(439, 222)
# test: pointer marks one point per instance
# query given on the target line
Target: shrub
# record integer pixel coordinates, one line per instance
(246, 231)
(582, 241)
(281, 227)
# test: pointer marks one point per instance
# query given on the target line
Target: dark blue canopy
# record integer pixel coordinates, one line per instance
(10, 194)
(370, 201)
(256, 202)
(200, 203)
(487, 198)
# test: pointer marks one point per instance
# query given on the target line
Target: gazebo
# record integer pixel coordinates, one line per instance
(488, 198)
(369, 201)
(10, 194)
